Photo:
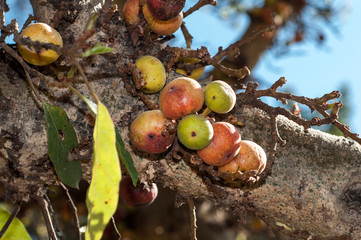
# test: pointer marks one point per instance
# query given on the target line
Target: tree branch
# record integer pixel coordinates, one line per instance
(10, 219)
(73, 210)
(44, 206)
(198, 5)
(193, 219)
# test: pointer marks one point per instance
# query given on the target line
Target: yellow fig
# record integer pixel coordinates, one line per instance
(153, 73)
(195, 73)
(45, 34)
(251, 157)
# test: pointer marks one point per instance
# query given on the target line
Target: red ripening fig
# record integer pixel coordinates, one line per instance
(161, 27)
(251, 157)
(165, 9)
(147, 132)
(181, 97)
(139, 196)
(131, 12)
(225, 145)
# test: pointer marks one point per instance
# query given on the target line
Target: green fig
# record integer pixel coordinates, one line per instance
(219, 97)
(195, 132)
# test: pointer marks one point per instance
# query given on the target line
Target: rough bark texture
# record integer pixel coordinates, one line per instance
(314, 188)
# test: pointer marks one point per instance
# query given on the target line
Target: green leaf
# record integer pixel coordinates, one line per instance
(126, 158)
(102, 196)
(97, 49)
(61, 140)
(91, 22)
(16, 229)
(71, 72)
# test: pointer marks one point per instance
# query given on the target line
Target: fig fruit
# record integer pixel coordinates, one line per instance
(153, 73)
(219, 97)
(161, 27)
(251, 157)
(147, 132)
(194, 131)
(141, 195)
(131, 12)
(225, 145)
(45, 34)
(165, 9)
(181, 97)
(195, 73)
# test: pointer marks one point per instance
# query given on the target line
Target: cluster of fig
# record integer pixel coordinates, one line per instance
(218, 144)
(163, 17)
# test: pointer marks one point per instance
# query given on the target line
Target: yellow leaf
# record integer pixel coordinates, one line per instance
(102, 196)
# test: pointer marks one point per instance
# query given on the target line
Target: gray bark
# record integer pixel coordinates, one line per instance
(314, 188)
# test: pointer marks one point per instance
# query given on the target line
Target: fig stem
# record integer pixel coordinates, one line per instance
(76, 63)
(206, 112)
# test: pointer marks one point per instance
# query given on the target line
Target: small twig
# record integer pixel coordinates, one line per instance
(187, 36)
(80, 69)
(233, 49)
(3, 9)
(276, 137)
(10, 219)
(73, 209)
(35, 91)
(44, 206)
(25, 67)
(122, 71)
(198, 5)
(136, 75)
(238, 73)
(193, 219)
(117, 233)
(279, 83)
(52, 215)
(26, 41)
(50, 81)
(250, 97)
(29, 20)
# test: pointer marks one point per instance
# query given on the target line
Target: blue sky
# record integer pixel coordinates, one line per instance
(311, 70)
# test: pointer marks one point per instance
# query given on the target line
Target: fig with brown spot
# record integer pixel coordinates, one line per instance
(147, 132)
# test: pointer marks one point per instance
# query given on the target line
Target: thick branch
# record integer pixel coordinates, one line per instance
(315, 179)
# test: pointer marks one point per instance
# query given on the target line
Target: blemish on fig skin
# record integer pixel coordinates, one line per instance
(193, 134)
(150, 136)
